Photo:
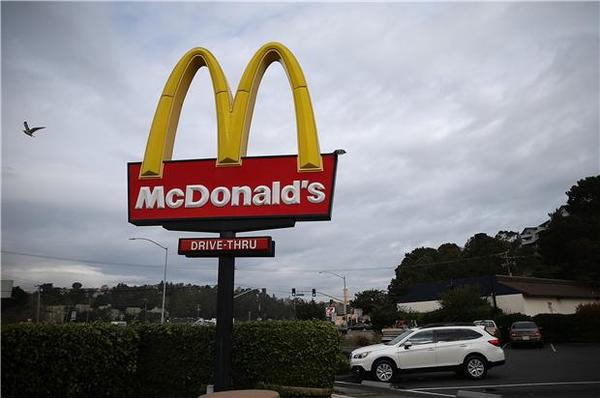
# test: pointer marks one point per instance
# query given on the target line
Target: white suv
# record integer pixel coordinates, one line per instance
(465, 349)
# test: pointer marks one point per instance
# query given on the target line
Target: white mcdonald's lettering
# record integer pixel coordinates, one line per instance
(262, 195)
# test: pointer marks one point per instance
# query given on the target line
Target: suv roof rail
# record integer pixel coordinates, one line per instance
(434, 325)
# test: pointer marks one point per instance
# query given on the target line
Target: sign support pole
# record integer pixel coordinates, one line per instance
(224, 319)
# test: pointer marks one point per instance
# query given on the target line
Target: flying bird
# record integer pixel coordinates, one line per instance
(30, 131)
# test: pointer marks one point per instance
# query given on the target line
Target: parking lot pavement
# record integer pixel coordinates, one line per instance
(559, 370)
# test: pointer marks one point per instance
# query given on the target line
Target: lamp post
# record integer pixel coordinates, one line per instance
(343, 277)
(162, 312)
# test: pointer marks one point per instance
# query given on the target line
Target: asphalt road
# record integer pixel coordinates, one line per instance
(558, 370)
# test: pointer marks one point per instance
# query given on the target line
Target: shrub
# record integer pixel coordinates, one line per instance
(464, 304)
(579, 327)
(434, 316)
(343, 364)
(385, 315)
(592, 309)
(360, 340)
(76, 360)
(174, 360)
(556, 328)
(95, 360)
(287, 353)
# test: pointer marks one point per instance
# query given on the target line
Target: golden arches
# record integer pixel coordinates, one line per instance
(233, 117)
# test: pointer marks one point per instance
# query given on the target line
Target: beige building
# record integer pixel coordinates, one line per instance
(513, 294)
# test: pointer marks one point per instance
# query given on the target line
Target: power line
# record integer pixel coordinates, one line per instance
(79, 260)
(354, 269)
(100, 262)
(459, 260)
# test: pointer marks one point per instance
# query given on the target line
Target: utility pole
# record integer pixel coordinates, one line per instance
(37, 317)
(507, 262)
(87, 313)
(343, 277)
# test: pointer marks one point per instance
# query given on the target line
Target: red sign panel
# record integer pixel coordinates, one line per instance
(262, 187)
(262, 246)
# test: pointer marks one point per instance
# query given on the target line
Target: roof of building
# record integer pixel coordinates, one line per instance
(428, 291)
(541, 287)
(503, 285)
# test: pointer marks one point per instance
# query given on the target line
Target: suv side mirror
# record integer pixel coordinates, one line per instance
(407, 345)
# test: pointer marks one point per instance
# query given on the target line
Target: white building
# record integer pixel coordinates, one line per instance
(529, 296)
(530, 235)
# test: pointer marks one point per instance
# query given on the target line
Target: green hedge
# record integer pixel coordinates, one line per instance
(174, 360)
(575, 328)
(78, 360)
(558, 328)
(93, 360)
(301, 353)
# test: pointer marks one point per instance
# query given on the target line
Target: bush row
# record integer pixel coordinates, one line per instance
(558, 328)
(68, 360)
(93, 360)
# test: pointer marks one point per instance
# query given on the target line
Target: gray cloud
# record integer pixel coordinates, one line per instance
(457, 119)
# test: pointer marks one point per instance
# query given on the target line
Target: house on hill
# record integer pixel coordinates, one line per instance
(526, 295)
(530, 235)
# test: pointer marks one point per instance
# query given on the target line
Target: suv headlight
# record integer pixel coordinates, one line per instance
(360, 356)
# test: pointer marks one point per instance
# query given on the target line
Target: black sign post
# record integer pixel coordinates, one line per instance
(224, 319)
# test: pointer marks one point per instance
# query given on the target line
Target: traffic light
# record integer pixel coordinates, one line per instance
(314, 292)
(293, 292)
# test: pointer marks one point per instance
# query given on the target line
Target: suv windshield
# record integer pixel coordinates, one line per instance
(397, 339)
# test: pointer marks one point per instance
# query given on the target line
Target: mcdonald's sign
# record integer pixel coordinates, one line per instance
(183, 194)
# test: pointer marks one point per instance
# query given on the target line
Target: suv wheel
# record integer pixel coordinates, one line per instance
(384, 370)
(475, 367)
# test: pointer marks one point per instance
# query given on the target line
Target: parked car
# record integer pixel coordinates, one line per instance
(525, 332)
(489, 326)
(361, 326)
(468, 350)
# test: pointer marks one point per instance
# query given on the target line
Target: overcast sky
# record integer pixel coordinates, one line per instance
(456, 119)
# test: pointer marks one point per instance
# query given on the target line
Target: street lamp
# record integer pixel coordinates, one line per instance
(162, 312)
(343, 277)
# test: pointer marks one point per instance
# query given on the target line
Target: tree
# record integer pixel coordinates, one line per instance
(412, 269)
(570, 245)
(449, 252)
(584, 198)
(511, 237)
(308, 311)
(481, 244)
(367, 300)
(385, 315)
(464, 304)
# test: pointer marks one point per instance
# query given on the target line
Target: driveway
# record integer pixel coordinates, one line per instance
(556, 370)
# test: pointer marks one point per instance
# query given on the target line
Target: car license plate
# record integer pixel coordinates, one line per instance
(525, 337)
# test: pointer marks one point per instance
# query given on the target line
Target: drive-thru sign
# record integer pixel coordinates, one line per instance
(234, 192)
(254, 246)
